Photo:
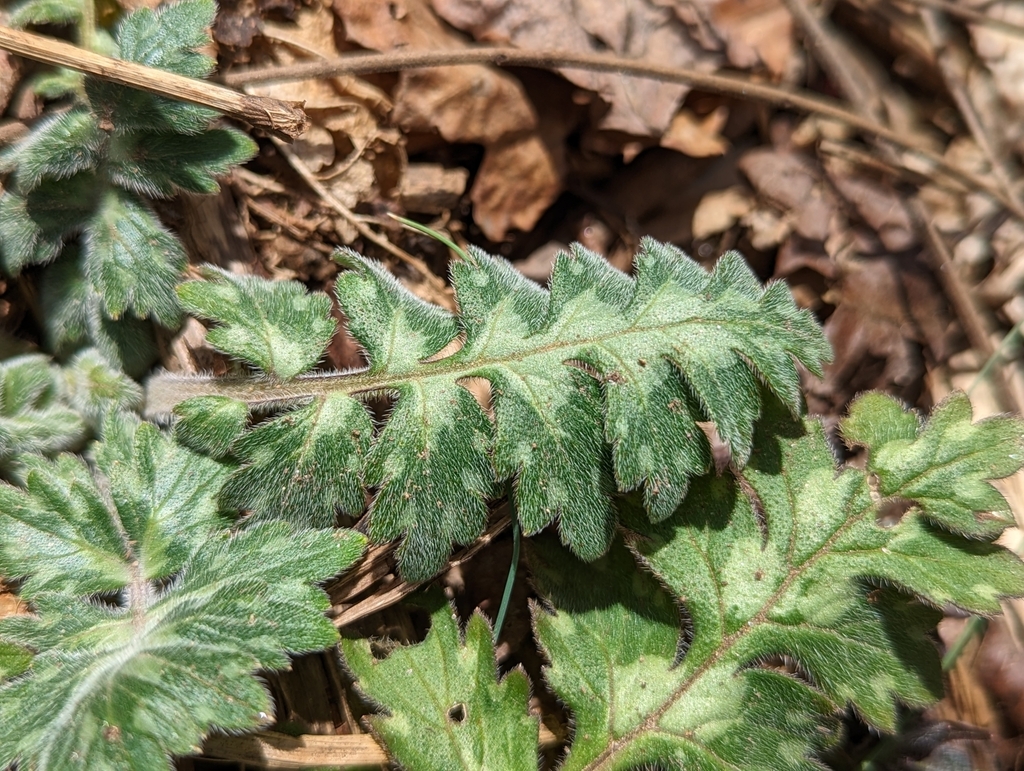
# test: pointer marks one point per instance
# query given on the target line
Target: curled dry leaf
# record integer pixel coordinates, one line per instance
(347, 148)
(499, 206)
(466, 104)
(755, 32)
(880, 206)
(719, 210)
(698, 137)
(793, 183)
(641, 30)
(886, 310)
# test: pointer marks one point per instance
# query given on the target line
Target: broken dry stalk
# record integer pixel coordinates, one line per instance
(283, 119)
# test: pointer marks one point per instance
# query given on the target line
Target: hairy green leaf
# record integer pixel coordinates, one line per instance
(776, 563)
(160, 164)
(82, 172)
(773, 599)
(596, 385)
(45, 12)
(300, 463)
(73, 315)
(146, 606)
(464, 718)
(57, 148)
(34, 226)
(210, 424)
(165, 38)
(95, 388)
(34, 413)
(132, 260)
(944, 466)
(275, 325)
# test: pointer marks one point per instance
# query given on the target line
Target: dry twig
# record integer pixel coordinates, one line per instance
(438, 290)
(281, 119)
(976, 322)
(730, 85)
(961, 11)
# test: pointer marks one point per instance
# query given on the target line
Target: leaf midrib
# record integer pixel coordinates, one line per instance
(728, 642)
(257, 391)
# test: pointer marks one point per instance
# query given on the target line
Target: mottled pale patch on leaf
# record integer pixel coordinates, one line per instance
(805, 592)
(596, 385)
(275, 325)
(189, 611)
(463, 719)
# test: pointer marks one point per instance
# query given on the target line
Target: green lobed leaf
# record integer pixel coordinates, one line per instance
(159, 164)
(95, 389)
(275, 325)
(57, 148)
(73, 315)
(299, 466)
(81, 172)
(45, 12)
(132, 260)
(34, 413)
(210, 424)
(944, 466)
(782, 570)
(190, 613)
(596, 385)
(34, 226)
(166, 38)
(447, 708)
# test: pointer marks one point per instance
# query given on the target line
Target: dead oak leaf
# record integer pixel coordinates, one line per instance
(500, 205)
(640, 29)
(754, 32)
(520, 175)
(698, 137)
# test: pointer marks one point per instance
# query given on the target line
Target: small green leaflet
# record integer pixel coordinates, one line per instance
(448, 709)
(781, 562)
(33, 415)
(146, 606)
(85, 173)
(45, 408)
(275, 325)
(597, 385)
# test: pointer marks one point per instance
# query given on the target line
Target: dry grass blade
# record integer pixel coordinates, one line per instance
(438, 291)
(279, 118)
(373, 567)
(731, 85)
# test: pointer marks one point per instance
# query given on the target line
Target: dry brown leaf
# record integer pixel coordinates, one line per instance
(698, 137)
(10, 68)
(754, 31)
(1003, 52)
(357, 183)
(315, 147)
(878, 205)
(471, 103)
(887, 309)
(498, 204)
(793, 183)
(639, 29)
(430, 188)
(719, 210)
(468, 104)
(309, 34)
